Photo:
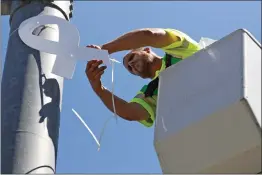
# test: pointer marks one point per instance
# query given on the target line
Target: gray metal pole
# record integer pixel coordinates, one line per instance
(31, 95)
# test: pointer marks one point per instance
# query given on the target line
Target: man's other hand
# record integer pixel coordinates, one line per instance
(94, 73)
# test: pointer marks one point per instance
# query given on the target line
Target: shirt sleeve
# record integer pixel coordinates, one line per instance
(174, 34)
(149, 104)
(184, 41)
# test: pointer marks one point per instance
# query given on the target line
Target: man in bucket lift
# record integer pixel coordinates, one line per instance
(141, 61)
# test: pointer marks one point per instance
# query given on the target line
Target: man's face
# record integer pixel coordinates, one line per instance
(138, 62)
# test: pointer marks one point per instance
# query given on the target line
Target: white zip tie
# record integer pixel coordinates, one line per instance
(106, 122)
(113, 99)
(83, 122)
(103, 129)
(114, 60)
(18, 29)
(13, 32)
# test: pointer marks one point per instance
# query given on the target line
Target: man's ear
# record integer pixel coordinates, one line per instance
(147, 49)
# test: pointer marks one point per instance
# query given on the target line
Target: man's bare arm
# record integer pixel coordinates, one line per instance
(127, 111)
(154, 37)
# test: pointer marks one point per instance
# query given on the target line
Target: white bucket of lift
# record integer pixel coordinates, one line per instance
(209, 110)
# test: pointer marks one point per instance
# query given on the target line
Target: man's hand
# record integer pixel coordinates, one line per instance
(94, 73)
(128, 111)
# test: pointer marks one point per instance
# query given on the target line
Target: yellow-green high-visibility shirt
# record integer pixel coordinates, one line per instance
(179, 50)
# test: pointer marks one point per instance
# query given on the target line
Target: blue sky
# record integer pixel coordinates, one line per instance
(127, 147)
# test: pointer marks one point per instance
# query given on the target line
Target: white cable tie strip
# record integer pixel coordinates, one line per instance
(83, 122)
(113, 99)
(13, 32)
(103, 129)
(23, 26)
(114, 60)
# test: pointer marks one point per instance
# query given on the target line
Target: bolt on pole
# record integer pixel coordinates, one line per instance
(30, 94)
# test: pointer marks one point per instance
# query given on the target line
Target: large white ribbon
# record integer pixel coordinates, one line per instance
(67, 50)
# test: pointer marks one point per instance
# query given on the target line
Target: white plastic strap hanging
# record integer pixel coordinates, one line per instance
(106, 122)
(90, 131)
(113, 99)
